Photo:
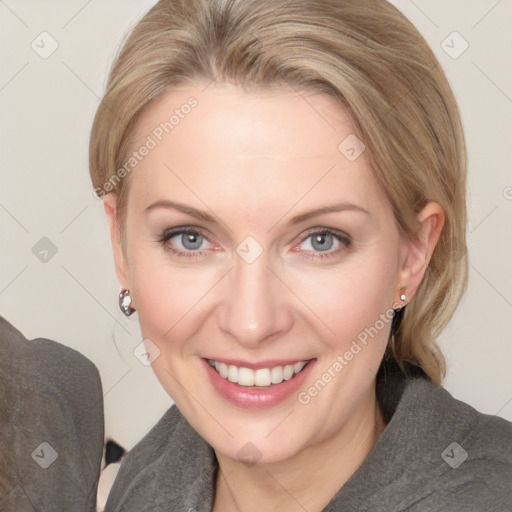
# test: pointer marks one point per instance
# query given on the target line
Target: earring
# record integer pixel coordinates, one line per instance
(396, 306)
(125, 301)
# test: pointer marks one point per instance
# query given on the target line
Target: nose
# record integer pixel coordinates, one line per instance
(255, 307)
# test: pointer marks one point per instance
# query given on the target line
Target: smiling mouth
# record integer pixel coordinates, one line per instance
(262, 377)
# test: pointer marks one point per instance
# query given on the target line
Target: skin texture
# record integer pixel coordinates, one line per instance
(254, 160)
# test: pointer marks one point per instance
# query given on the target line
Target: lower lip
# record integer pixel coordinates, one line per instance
(251, 397)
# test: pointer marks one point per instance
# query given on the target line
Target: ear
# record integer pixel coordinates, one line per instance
(417, 253)
(120, 261)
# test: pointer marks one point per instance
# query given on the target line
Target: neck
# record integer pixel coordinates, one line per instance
(287, 485)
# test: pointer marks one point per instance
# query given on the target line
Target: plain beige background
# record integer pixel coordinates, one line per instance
(69, 293)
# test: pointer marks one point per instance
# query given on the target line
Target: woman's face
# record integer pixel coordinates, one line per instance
(255, 240)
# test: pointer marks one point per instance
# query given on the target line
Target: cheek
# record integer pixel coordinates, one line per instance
(164, 296)
(351, 298)
(169, 307)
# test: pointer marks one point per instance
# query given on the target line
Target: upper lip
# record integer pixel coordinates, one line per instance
(269, 363)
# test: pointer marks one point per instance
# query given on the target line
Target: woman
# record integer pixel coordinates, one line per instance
(285, 187)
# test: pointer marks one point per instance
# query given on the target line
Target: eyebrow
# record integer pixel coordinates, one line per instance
(206, 217)
(193, 212)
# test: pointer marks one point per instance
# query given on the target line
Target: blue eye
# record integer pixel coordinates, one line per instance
(186, 242)
(321, 241)
(191, 241)
(324, 243)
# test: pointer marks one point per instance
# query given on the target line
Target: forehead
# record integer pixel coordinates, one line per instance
(251, 148)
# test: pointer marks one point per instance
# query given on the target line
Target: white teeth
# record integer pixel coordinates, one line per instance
(277, 375)
(263, 377)
(288, 372)
(245, 376)
(232, 373)
(222, 368)
(297, 367)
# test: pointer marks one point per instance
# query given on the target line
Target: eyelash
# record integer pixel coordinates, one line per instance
(344, 239)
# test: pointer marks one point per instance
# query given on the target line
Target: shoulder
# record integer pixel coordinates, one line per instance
(436, 453)
(488, 436)
(52, 381)
(171, 468)
(417, 407)
(465, 456)
(46, 376)
(52, 415)
(43, 357)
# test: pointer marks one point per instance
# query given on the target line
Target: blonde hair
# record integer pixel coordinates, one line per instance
(363, 53)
